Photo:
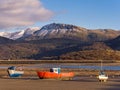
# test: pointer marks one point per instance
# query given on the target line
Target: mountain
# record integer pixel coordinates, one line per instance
(114, 43)
(66, 31)
(5, 34)
(61, 41)
(56, 30)
(19, 34)
(23, 33)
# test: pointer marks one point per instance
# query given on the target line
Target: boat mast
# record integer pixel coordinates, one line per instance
(101, 65)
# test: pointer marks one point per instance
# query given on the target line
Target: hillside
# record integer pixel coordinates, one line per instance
(114, 43)
(4, 40)
(92, 55)
(52, 49)
(29, 50)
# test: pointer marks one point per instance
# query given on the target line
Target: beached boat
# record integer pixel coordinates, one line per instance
(12, 72)
(55, 73)
(102, 76)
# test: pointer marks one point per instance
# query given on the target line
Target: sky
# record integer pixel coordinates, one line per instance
(86, 13)
(91, 14)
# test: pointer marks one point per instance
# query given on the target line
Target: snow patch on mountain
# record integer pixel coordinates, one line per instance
(5, 34)
(19, 34)
(58, 29)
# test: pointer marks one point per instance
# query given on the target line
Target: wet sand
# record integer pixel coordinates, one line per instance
(78, 83)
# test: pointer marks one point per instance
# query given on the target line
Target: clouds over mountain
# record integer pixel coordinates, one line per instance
(15, 13)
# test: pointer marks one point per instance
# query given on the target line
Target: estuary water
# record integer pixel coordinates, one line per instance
(64, 66)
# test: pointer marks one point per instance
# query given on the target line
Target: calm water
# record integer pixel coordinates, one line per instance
(75, 67)
(70, 67)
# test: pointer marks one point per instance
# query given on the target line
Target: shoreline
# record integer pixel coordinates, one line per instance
(83, 80)
(78, 83)
(55, 61)
(78, 72)
(31, 71)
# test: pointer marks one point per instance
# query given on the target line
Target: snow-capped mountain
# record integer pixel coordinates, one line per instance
(23, 33)
(19, 34)
(55, 30)
(5, 34)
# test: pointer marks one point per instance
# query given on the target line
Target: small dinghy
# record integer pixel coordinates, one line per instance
(102, 76)
(12, 72)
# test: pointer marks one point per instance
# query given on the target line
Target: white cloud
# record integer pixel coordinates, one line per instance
(14, 13)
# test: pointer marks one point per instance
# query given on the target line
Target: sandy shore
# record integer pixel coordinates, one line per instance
(78, 83)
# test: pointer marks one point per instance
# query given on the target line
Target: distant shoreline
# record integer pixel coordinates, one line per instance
(55, 61)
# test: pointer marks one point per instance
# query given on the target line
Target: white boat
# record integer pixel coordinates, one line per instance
(102, 76)
(12, 72)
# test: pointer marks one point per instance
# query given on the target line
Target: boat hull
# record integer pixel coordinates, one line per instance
(13, 73)
(103, 78)
(51, 75)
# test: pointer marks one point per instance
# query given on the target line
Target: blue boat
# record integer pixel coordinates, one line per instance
(12, 72)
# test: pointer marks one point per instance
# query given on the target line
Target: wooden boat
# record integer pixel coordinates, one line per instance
(12, 72)
(54, 75)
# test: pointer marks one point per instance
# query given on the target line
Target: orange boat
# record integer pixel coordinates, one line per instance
(54, 75)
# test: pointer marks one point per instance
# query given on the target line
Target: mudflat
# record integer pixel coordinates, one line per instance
(83, 80)
(78, 83)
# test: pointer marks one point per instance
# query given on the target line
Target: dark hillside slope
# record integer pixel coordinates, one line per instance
(114, 43)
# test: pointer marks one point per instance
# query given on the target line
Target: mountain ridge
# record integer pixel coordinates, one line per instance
(55, 30)
(19, 34)
(58, 30)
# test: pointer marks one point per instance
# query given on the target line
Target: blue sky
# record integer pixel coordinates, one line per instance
(92, 14)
